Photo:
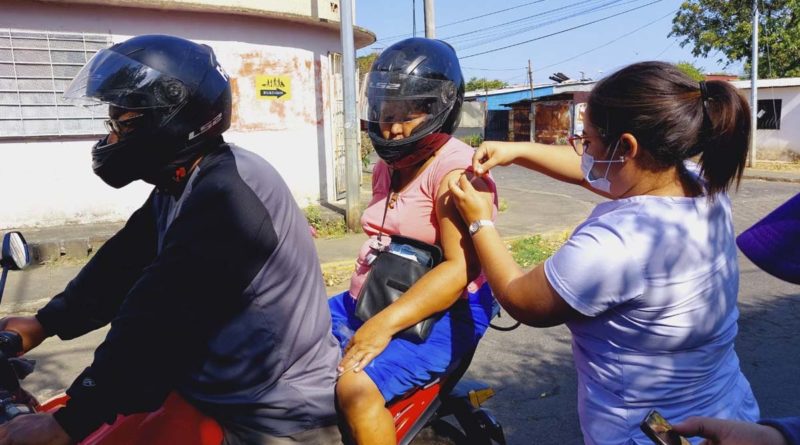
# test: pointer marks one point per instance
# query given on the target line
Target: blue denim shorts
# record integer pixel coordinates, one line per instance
(404, 365)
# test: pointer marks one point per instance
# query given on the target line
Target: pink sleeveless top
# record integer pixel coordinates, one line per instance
(413, 214)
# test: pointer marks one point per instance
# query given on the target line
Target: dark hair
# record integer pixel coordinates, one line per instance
(673, 120)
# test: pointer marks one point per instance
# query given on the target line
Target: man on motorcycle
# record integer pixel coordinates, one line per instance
(213, 287)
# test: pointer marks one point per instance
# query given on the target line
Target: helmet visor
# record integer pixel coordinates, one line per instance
(388, 97)
(112, 78)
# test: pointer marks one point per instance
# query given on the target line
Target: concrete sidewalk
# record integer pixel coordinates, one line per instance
(80, 240)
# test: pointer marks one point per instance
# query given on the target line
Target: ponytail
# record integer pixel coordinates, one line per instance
(675, 118)
(725, 137)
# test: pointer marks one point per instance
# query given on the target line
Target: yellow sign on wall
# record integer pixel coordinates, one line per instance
(274, 87)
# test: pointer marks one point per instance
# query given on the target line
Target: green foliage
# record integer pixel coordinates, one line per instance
(326, 227)
(473, 140)
(364, 63)
(366, 149)
(710, 26)
(690, 70)
(502, 206)
(532, 250)
(484, 84)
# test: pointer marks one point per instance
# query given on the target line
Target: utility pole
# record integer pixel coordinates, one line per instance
(351, 155)
(753, 88)
(414, 16)
(533, 108)
(430, 20)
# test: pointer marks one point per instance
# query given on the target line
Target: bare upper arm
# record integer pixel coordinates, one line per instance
(455, 239)
(535, 302)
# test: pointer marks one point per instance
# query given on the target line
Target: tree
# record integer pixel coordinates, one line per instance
(690, 70)
(726, 26)
(484, 84)
(364, 63)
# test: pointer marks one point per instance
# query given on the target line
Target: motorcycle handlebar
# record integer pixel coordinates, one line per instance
(10, 344)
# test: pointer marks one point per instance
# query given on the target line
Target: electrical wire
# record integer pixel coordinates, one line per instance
(493, 37)
(767, 34)
(560, 32)
(490, 69)
(505, 24)
(469, 19)
(610, 41)
(465, 20)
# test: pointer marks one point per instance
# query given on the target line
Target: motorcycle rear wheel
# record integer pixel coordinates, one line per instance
(440, 433)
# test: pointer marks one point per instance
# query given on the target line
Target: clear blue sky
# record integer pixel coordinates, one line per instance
(641, 34)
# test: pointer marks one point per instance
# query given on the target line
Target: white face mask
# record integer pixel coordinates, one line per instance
(587, 163)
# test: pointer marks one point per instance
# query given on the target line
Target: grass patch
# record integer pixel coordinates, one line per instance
(325, 226)
(782, 166)
(473, 140)
(502, 206)
(532, 250)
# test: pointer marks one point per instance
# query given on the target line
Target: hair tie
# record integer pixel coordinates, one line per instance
(703, 91)
(704, 98)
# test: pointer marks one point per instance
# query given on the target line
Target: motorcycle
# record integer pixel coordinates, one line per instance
(418, 415)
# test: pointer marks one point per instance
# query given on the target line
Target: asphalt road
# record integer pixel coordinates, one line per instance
(531, 369)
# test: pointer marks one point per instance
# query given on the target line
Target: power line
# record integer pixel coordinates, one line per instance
(665, 49)
(560, 32)
(611, 41)
(494, 36)
(561, 8)
(467, 19)
(490, 69)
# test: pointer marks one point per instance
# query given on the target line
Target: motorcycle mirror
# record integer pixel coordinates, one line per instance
(15, 254)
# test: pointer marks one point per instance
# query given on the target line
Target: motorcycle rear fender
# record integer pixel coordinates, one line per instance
(175, 423)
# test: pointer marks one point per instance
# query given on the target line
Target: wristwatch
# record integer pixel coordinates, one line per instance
(476, 225)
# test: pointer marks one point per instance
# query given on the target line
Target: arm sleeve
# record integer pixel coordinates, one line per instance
(788, 426)
(211, 254)
(92, 299)
(594, 271)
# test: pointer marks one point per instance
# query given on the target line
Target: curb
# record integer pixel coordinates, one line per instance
(49, 251)
(763, 177)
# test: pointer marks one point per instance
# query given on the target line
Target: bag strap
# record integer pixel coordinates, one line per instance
(392, 182)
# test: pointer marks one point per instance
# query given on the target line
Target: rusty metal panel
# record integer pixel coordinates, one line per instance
(522, 124)
(552, 122)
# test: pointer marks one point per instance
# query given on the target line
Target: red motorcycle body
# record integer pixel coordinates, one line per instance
(179, 423)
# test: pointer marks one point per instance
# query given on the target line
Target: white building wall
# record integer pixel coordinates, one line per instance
(50, 182)
(775, 144)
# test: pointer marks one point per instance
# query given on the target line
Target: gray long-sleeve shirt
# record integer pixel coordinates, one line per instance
(218, 295)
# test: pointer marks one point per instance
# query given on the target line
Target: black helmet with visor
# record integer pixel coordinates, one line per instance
(177, 100)
(416, 88)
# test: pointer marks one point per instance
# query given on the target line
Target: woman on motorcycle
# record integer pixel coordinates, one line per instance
(412, 99)
(648, 283)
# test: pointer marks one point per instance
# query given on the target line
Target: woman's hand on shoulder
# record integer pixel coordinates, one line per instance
(493, 153)
(471, 197)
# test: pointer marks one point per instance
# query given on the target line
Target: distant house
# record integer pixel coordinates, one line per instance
(497, 115)
(553, 114)
(45, 168)
(778, 135)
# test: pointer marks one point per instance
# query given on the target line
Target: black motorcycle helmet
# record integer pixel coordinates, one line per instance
(180, 95)
(415, 78)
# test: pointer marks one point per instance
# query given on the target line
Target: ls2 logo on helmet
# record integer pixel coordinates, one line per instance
(206, 126)
(384, 85)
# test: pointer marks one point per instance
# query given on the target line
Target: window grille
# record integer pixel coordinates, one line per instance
(769, 114)
(35, 68)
